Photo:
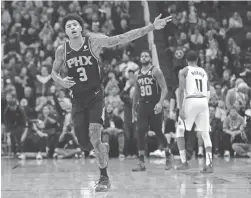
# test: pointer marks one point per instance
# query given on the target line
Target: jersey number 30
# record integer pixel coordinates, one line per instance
(82, 74)
(199, 84)
(146, 90)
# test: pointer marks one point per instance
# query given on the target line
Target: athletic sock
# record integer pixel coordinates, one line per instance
(200, 150)
(208, 158)
(141, 159)
(183, 156)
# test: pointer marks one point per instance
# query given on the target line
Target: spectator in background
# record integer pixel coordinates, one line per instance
(28, 110)
(113, 98)
(239, 93)
(244, 149)
(12, 45)
(129, 127)
(231, 131)
(235, 21)
(216, 130)
(60, 40)
(36, 134)
(112, 82)
(43, 82)
(68, 145)
(127, 65)
(217, 96)
(113, 127)
(29, 96)
(197, 40)
(15, 122)
(221, 111)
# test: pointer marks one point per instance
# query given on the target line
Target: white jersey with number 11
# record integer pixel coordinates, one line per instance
(196, 82)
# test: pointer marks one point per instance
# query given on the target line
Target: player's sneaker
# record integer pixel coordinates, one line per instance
(22, 156)
(103, 184)
(55, 156)
(92, 154)
(207, 169)
(169, 162)
(183, 166)
(226, 153)
(39, 156)
(121, 156)
(200, 155)
(140, 167)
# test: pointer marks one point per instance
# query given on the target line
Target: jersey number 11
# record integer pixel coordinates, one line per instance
(199, 84)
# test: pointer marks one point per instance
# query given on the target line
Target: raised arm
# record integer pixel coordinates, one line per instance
(133, 34)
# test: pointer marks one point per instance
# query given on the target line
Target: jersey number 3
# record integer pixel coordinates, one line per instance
(82, 74)
(146, 90)
(199, 84)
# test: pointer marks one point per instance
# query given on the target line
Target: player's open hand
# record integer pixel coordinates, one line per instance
(161, 23)
(67, 82)
(158, 108)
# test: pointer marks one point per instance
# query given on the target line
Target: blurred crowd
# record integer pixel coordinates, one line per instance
(30, 99)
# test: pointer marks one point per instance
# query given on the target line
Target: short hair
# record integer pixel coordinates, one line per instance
(69, 17)
(146, 51)
(192, 56)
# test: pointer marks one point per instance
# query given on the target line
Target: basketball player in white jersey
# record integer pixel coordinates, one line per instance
(194, 93)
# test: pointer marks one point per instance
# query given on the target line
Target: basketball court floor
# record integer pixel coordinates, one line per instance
(76, 178)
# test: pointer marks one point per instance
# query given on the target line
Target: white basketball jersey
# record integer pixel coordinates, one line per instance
(196, 82)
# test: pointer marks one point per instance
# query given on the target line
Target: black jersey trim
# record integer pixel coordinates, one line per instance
(80, 47)
(147, 71)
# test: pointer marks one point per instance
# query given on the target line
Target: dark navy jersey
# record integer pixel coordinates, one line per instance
(148, 87)
(83, 66)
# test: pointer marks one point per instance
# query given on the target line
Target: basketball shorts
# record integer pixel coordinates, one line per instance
(196, 111)
(147, 119)
(83, 115)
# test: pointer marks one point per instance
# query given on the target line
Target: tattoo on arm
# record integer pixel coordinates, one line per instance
(126, 37)
(58, 64)
(158, 74)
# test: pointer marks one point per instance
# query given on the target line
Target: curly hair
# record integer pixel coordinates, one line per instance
(71, 16)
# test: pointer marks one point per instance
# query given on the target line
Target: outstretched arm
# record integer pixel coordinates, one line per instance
(133, 34)
(158, 75)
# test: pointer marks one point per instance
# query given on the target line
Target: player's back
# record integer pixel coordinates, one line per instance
(196, 82)
(83, 67)
(149, 88)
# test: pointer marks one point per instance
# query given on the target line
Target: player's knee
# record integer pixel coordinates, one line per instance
(180, 129)
(206, 139)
